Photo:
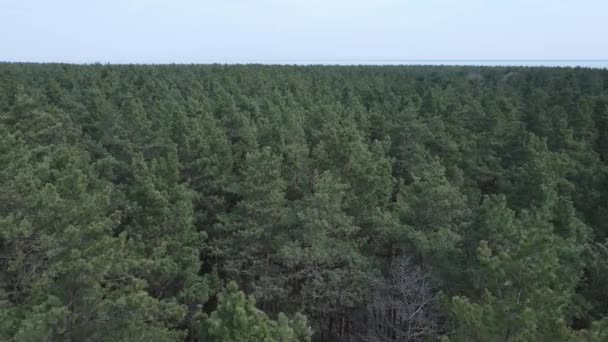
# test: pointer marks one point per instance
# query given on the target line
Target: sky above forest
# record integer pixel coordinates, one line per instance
(199, 31)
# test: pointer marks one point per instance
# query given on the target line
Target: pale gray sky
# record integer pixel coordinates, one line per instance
(191, 31)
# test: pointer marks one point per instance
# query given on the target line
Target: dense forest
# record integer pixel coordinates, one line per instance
(299, 203)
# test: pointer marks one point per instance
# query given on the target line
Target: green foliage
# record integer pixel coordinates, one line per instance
(431, 212)
(322, 261)
(236, 319)
(130, 194)
(520, 287)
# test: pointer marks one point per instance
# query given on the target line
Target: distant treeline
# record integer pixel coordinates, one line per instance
(290, 203)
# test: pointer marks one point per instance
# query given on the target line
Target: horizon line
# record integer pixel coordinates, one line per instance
(366, 59)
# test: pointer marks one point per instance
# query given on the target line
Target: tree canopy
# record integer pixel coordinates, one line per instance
(299, 203)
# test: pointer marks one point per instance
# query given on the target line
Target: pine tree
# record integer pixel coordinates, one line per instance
(242, 240)
(520, 288)
(322, 265)
(236, 319)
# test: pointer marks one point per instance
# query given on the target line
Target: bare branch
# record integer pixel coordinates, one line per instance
(402, 307)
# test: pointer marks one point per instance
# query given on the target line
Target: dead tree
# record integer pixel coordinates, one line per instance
(401, 307)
